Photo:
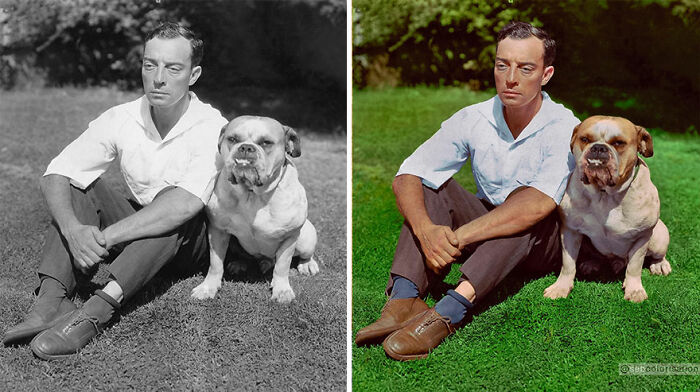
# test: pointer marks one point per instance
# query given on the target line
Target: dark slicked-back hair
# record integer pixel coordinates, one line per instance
(170, 30)
(522, 30)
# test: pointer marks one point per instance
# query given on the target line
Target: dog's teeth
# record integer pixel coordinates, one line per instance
(595, 162)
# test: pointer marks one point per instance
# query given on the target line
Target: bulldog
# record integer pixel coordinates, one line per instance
(610, 198)
(258, 199)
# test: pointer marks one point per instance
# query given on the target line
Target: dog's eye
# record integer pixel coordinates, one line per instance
(267, 143)
(232, 139)
(618, 143)
(584, 139)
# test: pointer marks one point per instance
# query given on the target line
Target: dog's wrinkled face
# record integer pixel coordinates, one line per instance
(254, 150)
(606, 149)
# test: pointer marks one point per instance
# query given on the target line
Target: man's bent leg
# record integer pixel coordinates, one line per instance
(538, 249)
(97, 205)
(132, 269)
(450, 206)
(485, 268)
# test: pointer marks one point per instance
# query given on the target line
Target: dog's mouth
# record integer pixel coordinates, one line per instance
(599, 167)
(247, 169)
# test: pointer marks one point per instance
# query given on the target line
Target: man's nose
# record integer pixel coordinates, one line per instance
(511, 76)
(159, 78)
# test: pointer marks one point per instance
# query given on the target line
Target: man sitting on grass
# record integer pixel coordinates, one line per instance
(165, 143)
(518, 143)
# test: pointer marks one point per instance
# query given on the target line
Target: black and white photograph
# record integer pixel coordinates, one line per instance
(173, 177)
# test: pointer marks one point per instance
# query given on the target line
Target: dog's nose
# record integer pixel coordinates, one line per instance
(246, 149)
(598, 151)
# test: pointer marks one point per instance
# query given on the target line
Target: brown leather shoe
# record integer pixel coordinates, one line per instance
(72, 332)
(419, 337)
(396, 314)
(36, 321)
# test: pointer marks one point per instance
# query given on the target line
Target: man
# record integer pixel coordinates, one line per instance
(518, 143)
(165, 143)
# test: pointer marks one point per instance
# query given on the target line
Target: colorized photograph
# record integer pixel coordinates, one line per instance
(174, 181)
(524, 195)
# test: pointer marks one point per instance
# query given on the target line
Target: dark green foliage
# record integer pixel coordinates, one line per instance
(521, 340)
(630, 58)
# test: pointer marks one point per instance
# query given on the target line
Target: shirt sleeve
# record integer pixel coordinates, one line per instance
(89, 155)
(201, 169)
(557, 163)
(442, 156)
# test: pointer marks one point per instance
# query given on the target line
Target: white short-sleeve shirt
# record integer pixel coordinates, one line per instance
(540, 157)
(126, 133)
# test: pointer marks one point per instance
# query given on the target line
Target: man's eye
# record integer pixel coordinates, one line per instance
(501, 67)
(148, 66)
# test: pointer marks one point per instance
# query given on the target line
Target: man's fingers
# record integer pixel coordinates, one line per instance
(451, 237)
(99, 237)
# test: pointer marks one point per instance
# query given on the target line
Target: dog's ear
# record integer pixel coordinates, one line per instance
(293, 145)
(644, 144)
(573, 137)
(221, 136)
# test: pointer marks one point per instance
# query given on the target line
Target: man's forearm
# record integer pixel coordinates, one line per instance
(56, 190)
(410, 201)
(523, 209)
(168, 211)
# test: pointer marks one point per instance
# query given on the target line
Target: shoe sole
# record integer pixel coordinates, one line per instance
(379, 339)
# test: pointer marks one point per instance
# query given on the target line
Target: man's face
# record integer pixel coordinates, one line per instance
(167, 71)
(519, 71)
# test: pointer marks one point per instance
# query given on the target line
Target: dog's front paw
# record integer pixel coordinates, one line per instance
(558, 290)
(634, 291)
(205, 290)
(663, 267)
(282, 293)
(308, 267)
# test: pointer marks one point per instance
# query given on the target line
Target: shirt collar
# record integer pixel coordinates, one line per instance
(494, 114)
(141, 112)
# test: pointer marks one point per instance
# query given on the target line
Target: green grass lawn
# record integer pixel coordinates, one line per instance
(165, 340)
(523, 341)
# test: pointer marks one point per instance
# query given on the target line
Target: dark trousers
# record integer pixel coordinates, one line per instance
(485, 264)
(137, 261)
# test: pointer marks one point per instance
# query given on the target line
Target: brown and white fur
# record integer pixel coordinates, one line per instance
(258, 199)
(616, 208)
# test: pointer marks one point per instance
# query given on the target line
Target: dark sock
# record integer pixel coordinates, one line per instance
(453, 306)
(403, 288)
(101, 306)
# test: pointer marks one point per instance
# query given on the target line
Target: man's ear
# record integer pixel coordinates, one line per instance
(573, 137)
(195, 74)
(644, 144)
(293, 145)
(221, 136)
(548, 73)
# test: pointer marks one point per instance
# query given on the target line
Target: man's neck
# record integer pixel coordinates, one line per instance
(165, 118)
(518, 118)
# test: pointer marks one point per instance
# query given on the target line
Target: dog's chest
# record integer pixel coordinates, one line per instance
(259, 225)
(612, 226)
